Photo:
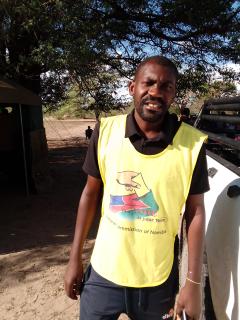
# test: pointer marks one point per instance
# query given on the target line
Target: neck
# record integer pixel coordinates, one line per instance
(149, 129)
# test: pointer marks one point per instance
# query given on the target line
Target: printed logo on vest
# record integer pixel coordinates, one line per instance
(133, 199)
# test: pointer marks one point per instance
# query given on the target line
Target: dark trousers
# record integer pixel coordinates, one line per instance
(103, 300)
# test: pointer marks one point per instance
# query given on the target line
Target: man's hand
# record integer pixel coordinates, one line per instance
(190, 300)
(73, 278)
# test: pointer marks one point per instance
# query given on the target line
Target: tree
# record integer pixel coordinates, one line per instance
(208, 90)
(41, 41)
(218, 89)
(99, 94)
(48, 44)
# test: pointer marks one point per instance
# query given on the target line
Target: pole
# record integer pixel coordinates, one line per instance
(24, 152)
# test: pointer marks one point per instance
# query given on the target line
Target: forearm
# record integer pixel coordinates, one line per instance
(195, 217)
(190, 295)
(88, 206)
(87, 209)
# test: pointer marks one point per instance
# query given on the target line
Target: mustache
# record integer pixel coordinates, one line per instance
(151, 99)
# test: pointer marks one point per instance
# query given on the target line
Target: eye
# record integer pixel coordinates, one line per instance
(149, 83)
(168, 86)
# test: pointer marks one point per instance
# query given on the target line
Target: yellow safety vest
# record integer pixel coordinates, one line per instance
(144, 196)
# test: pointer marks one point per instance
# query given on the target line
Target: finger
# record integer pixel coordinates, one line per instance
(179, 309)
(70, 292)
(73, 294)
(133, 174)
(135, 184)
(76, 288)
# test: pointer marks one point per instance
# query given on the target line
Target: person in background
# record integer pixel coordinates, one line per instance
(88, 133)
(144, 168)
(185, 115)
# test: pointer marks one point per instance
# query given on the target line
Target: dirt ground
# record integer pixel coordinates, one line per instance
(36, 232)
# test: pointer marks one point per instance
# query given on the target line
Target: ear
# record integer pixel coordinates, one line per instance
(131, 87)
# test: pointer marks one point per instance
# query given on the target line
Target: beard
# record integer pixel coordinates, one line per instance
(152, 115)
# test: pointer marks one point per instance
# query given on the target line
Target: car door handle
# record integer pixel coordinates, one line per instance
(233, 191)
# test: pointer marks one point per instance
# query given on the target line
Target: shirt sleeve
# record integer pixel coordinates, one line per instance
(90, 165)
(200, 182)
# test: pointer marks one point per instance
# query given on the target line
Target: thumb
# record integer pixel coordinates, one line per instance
(135, 184)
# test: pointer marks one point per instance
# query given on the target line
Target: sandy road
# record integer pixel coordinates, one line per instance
(67, 129)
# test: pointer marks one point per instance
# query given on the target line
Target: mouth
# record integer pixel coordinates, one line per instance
(153, 106)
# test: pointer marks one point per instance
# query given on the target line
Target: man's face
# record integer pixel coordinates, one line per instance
(153, 91)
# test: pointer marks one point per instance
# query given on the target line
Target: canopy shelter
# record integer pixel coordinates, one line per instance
(12, 93)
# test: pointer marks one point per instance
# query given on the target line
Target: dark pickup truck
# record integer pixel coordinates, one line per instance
(220, 119)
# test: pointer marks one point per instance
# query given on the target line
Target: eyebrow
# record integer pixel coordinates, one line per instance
(151, 79)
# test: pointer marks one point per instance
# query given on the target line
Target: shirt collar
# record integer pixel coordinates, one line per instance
(166, 134)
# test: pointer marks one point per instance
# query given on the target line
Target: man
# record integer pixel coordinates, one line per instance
(88, 133)
(144, 167)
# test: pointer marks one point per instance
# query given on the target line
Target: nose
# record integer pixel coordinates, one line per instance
(155, 90)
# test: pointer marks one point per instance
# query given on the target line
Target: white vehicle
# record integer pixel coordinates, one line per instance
(220, 119)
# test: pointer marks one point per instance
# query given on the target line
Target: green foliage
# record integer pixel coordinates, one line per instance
(67, 110)
(70, 107)
(50, 45)
(212, 89)
(218, 89)
(99, 93)
(88, 101)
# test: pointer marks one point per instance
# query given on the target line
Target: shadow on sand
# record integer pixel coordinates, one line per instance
(46, 218)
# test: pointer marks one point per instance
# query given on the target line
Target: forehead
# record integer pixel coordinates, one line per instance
(153, 70)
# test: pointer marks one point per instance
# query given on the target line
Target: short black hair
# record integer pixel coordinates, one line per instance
(162, 61)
